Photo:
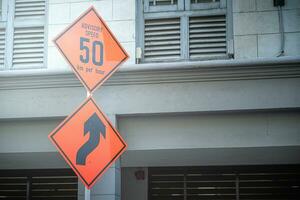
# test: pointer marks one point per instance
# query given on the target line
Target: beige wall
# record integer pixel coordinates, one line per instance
(118, 14)
(256, 28)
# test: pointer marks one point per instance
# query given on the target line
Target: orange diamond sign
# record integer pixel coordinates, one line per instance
(91, 49)
(88, 142)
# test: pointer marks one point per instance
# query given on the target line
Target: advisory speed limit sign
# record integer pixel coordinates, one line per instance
(91, 49)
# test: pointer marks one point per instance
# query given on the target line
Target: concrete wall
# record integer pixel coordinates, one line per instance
(133, 189)
(27, 135)
(256, 28)
(155, 98)
(176, 131)
(184, 131)
(118, 14)
(196, 139)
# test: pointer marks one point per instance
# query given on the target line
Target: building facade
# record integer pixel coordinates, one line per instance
(208, 101)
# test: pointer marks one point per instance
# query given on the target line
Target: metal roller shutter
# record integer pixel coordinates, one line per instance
(238, 182)
(38, 184)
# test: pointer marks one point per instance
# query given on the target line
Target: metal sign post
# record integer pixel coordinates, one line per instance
(87, 194)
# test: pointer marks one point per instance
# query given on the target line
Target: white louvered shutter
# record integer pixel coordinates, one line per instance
(162, 39)
(207, 36)
(29, 34)
(28, 50)
(2, 47)
(29, 8)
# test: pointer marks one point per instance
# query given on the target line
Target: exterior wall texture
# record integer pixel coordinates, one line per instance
(257, 32)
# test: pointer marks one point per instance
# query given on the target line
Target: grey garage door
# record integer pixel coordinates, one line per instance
(230, 182)
(58, 184)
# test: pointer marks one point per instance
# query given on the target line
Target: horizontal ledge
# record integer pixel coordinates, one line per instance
(151, 73)
(162, 113)
(226, 156)
(212, 64)
(167, 66)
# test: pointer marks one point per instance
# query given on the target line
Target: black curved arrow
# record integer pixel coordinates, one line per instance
(95, 127)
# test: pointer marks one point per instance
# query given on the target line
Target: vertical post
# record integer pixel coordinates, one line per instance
(87, 192)
(184, 30)
(237, 187)
(28, 188)
(185, 184)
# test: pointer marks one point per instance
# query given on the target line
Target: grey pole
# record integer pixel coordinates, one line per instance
(87, 192)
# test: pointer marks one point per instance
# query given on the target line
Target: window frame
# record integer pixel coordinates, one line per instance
(225, 8)
(3, 24)
(205, 6)
(162, 8)
(4, 8)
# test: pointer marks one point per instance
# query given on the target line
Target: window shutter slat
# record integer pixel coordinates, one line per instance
(162, 39)
(162, 2)
(29, 8)
(167, 184)
(28, 51)
(204, 1)
(207, 36)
